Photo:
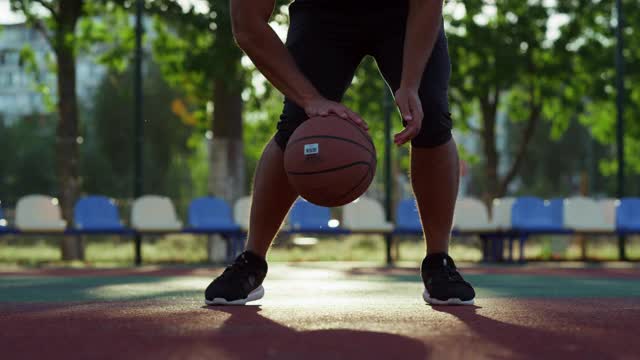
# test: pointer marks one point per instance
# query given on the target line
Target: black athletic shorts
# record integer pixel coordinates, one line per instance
(328, 41)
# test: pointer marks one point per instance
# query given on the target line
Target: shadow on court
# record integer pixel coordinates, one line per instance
(154, 330)
(529, 342)
(269, 339)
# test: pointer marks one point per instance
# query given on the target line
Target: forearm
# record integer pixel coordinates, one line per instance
(271, 57)
(423, 26)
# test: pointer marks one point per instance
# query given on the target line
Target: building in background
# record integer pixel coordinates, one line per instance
(19, 94)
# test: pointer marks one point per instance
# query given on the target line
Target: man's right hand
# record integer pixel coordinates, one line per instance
(323, 107)
(250, 20)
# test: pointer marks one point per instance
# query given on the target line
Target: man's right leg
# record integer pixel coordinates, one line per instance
(434, 164)
(323, 48)
(272, 198)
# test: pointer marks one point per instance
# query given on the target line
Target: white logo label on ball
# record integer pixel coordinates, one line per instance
(311, 149)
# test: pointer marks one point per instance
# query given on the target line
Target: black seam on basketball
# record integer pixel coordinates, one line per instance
(364, 133)
(348, 192)
(358, 184)
(334, 138)
(329, 170)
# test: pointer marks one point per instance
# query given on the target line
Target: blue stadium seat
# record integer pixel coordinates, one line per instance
(407, 218)
(628, 215)
(306, 217)
(557, 212)
(97, 214)
(209, 214)
(532, 214)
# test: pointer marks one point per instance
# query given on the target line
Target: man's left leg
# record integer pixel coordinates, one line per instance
(434, 167)
(435, 179)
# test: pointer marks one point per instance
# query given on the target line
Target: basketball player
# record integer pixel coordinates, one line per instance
(326, 41)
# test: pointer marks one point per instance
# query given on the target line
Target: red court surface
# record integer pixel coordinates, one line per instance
(320, 311)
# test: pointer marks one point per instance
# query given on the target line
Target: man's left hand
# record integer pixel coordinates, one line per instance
(410, 107)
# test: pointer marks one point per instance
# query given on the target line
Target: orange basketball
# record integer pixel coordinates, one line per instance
(330, 161)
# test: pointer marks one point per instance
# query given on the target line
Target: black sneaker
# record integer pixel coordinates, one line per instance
(443, 284)
(240, 282)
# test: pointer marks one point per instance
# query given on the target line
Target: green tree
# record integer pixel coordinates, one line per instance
(30, 168)
(594, 64)
(108, 145)
(57, 20)
(570, 157)
(505, 64)
(198, 53)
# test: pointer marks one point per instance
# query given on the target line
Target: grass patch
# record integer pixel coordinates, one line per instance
(189, 249)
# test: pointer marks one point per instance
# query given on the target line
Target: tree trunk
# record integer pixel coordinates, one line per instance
(527, 135)
(226, 161)
(226, 151)
(489, 146)
(496, 186)
(227, 170)
(67, 155)
(226, 154)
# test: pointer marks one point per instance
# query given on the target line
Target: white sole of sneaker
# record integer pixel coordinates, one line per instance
(452, 301)
(256, 294)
